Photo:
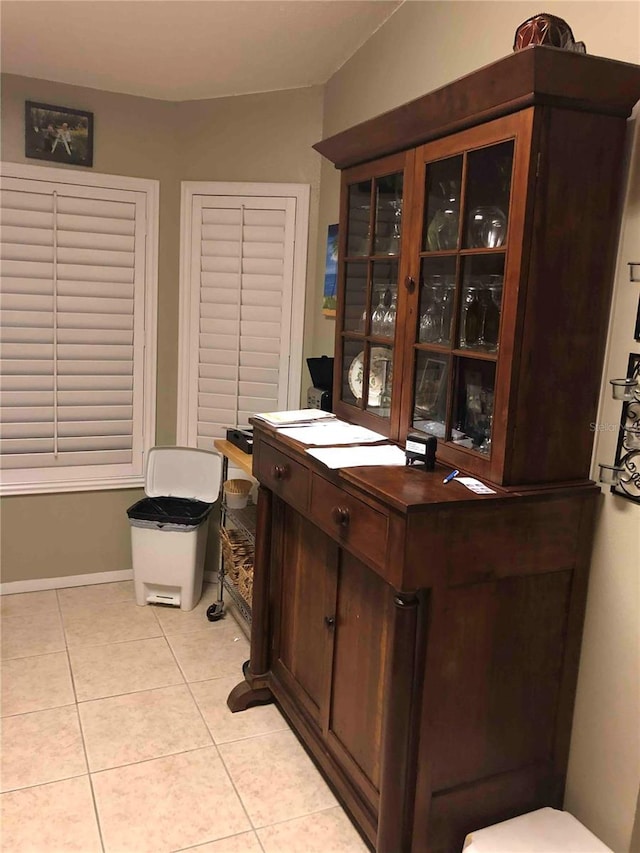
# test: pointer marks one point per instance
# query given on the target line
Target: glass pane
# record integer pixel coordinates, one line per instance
(359, 231)
(380, 379)
(444, 179)
(352, 372)
(473, 404)
(388, 215)
(430, 397)
(355, 297)
(385, 298)
(487, 199)
(374, 381)
(437, 293)
(481, 303)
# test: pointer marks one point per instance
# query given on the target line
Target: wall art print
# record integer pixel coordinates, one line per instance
(59, 134)
(329, 303)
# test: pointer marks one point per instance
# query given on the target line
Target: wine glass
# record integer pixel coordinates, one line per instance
(494, 312)
(484, 299)
(377, 318)
(485, 446)
(470, 327)
(446, 309)
(430, 319)
(393, 245)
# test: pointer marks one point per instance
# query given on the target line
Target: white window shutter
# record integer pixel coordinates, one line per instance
(239, 329)
(72, 330)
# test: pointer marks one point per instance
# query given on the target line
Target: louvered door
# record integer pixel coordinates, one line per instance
(72, 327)
(240, 307)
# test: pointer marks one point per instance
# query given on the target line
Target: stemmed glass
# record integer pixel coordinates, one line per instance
(393, 246)
(484, 298)
(431, 320)
(470, 327)
(377, 318)
(485, 447)
(446, 308)
(495, 291)
(428, 331)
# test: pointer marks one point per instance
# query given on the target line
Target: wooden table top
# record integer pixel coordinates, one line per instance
(243, 460)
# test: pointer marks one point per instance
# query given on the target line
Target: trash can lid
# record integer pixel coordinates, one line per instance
(183, 472)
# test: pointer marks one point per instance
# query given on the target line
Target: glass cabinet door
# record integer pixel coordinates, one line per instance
(370, 271)
(456, 340)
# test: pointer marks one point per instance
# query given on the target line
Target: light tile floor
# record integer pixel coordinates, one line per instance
(116, 737)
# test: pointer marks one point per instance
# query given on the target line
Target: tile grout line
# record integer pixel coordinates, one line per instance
(84, 744)
(231, 624)
(224, 766)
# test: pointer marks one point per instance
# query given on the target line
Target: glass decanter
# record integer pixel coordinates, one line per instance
(389, 319)
(442, 232)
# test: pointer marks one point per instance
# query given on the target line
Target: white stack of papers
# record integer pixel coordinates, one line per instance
(332, 433)
(299, 416)
(354, 457)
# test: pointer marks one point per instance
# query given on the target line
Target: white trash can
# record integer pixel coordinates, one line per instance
(169, 527)
(546, 830)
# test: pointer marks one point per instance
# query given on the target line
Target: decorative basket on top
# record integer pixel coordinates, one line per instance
(236, 493)
(237, 553)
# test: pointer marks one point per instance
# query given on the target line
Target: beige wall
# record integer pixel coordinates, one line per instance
(426, 45)
(251, 138)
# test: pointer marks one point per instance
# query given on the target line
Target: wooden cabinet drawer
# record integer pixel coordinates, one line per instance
(352, 522)
(282, 475)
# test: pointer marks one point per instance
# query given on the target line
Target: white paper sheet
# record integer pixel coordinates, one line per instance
(332, 434)
(475, 486)
(353, 457)
(298, 416)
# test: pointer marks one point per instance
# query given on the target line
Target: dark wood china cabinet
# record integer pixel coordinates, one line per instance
(423, 640)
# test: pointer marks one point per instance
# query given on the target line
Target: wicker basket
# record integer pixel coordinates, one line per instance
(237, 552)
(236, 493)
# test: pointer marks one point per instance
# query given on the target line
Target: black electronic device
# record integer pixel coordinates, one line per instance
(242, 438)
(319, 395)
(420, 450)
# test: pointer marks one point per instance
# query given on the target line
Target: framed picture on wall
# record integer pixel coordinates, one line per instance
(59, 134)
(330, 273)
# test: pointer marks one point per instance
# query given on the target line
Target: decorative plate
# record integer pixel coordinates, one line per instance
(380, 358)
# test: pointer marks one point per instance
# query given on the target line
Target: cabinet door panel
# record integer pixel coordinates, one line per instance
(500, 677)
(307, 592)
(360, 653)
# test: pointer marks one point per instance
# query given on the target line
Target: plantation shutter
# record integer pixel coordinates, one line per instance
(71, 330)
(242, 250)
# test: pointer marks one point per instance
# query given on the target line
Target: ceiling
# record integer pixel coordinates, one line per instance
(181, 50)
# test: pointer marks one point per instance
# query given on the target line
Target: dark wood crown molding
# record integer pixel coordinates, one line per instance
(536, 75)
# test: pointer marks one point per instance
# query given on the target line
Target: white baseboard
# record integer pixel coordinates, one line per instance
(38, 584)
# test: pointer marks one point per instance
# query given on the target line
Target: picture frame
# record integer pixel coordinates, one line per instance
(431, 384)
(58, 134)
(329, 300)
